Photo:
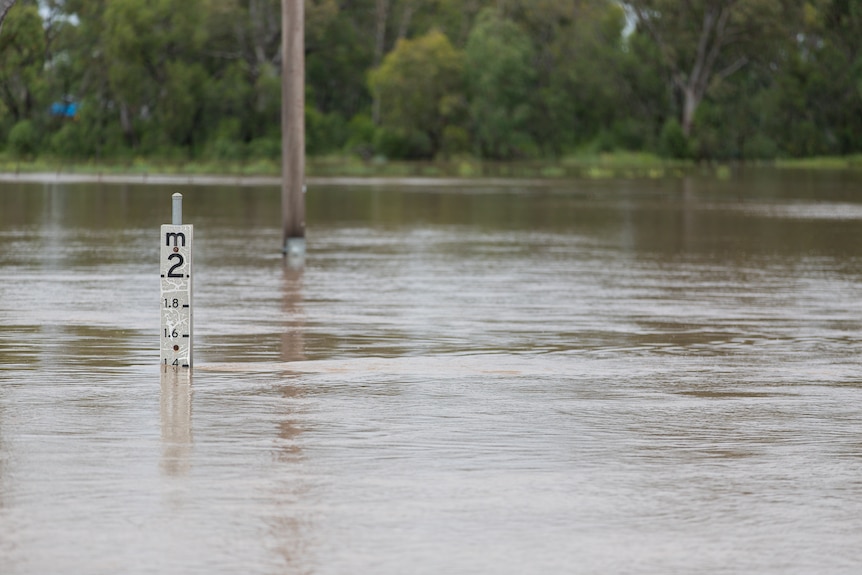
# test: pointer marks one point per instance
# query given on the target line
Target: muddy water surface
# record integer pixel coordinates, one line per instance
(598, 377)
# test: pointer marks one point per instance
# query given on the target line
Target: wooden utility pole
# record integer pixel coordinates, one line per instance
(293, 127)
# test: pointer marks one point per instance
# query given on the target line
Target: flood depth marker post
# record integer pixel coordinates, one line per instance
(176, 281)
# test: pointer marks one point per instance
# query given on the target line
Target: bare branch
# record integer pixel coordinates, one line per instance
(5, 6)
(700, 68)
(718, 42)
(667, 54)
(381, 16)
(406, 16)
(732, 68)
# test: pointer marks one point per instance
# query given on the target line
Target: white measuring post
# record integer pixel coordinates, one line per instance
(176, 281)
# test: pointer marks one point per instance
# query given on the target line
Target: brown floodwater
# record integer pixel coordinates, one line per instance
(593, 377)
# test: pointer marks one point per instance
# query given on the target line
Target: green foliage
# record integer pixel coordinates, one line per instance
(672, 141)
(66, 142)
(760, 147)
(22, 62)
(260, 104)
(200, 79)
(420, 88)
(703, 43)
(225, 143)
(180, 110)
(266, 148)
(815, 102)
(323, 132)
(500, 78)
(360, 135)
(24, 139)
(340, 51)
(403, 145)
(585, 80)
(150, 48)
(456, 141)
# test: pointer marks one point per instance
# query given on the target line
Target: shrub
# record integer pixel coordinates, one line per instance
(360, 135)
(672, 141)
(397, 144)
(24, 139)
(265, 148)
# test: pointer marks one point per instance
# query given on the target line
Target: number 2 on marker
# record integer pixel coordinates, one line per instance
(171, 273)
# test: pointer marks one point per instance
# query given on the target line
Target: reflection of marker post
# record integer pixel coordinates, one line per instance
(176, 412)
(176, 282)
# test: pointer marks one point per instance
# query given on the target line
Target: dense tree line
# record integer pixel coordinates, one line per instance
(498, 79)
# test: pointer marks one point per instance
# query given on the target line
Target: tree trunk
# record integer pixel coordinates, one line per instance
(379, 46)
(257, 33)
(382, 15)
(127, 126)
(265, 30)
(689, 107)
(406, 16)
(694, 79)
(5, 6)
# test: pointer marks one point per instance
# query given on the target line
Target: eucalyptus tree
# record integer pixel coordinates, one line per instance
(420, 86)
(703, 42)
(815, 103)
(580, 85)
(500, 77)
(22, 62)
(455, 18)
(152, 55)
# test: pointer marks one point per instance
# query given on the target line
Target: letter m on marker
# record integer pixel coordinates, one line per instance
(176, 236)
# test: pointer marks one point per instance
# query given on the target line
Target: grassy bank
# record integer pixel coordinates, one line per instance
(610, 165)
(625, 165)
(853, 162)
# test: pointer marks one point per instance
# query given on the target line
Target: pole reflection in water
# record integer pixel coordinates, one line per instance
(290, 526)
(288, 529)
(2, 451)
(293, 338)
(176, 416)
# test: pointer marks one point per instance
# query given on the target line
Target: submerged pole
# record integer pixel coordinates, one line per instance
(293, 127)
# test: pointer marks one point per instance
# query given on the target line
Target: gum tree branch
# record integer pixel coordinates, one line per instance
(5, 6)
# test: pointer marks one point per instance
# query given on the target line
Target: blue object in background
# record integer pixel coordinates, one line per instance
(64, 110)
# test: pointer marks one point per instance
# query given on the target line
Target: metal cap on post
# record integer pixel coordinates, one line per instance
(177, 219)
